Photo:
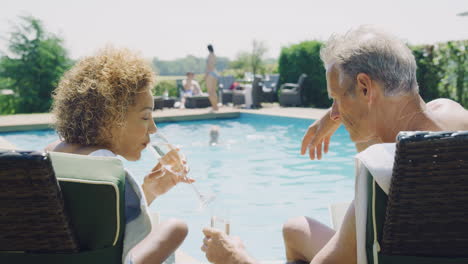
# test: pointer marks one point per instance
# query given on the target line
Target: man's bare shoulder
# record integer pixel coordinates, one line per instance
(443, 104)
(450, 114)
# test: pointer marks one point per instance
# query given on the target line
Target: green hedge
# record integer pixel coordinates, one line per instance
(442, 71)
(305, 58)
(169, 85)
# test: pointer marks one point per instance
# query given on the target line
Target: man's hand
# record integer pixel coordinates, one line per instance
(220, 248)
(318, 135)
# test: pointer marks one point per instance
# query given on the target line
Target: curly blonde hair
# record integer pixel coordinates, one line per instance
(94, 96)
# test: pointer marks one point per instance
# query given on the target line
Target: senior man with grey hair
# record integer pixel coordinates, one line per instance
(371, 77)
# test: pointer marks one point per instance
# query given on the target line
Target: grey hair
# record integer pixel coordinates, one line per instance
(374, 52)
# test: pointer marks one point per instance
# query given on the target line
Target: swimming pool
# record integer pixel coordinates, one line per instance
(256, 171)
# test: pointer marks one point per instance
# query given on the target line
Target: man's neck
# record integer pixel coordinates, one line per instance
(402, 113)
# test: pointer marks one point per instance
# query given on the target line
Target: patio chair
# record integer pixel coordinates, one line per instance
(257, 92)
(238, 97)
(424, 217)
(225, 94)
(158, 103)
(291, 94)
(60, 208)
(180, 88)
(251, 96)
(269, 88)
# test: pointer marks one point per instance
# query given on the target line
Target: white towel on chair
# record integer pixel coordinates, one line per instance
(377, 160)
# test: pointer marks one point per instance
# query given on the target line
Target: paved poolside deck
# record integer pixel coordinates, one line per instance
(44, 121)
(24, 122)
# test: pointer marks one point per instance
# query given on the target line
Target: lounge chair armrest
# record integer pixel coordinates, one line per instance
(288, 86)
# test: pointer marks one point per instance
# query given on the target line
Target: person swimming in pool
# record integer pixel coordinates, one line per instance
(214, 135)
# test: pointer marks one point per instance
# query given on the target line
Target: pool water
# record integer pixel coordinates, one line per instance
(257, 173)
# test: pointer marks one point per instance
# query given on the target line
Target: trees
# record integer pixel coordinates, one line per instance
(428, 73)
(256, 57)
(189, 63)
(35, 62)
(252, 61)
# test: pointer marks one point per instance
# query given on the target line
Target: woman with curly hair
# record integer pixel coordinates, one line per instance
(103, 107)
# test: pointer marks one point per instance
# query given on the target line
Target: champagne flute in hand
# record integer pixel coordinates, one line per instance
(171, 159)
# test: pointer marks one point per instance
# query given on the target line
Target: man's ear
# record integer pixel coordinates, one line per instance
(365, 87)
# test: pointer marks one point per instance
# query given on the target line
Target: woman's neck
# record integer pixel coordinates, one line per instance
(75, 148)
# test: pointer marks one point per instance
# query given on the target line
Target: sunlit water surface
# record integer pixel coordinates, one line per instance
(256, 172)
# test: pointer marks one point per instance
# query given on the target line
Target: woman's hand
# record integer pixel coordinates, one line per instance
(318, 135)
(162, 178)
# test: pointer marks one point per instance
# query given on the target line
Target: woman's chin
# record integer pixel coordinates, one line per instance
(133, 157)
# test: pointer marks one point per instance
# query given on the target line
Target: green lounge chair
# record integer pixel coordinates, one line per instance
(60, 208)
(424, 217)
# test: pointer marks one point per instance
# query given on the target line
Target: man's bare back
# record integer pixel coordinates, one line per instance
(449, 116)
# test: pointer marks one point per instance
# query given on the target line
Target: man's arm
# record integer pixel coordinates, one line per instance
(318, 135)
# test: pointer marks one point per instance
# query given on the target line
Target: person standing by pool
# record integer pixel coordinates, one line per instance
(103, 107)
(371, 77)
(211, 78)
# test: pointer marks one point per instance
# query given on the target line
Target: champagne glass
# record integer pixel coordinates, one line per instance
(221, 223)
(171, 158)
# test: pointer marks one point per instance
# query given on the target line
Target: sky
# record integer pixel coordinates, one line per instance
(169, 29)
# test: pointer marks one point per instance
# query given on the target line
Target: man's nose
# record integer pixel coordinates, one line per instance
(335, 113)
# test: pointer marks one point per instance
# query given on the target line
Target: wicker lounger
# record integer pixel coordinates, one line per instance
(424, 219)
(81, 216)
(200, 101)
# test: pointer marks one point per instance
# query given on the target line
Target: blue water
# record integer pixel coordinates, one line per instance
(256, 172)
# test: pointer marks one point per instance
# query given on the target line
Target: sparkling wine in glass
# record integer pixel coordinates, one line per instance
(221, 223)
(171, 158)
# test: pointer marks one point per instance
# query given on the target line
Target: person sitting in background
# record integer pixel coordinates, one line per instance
(103, 107)
(191, 87)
